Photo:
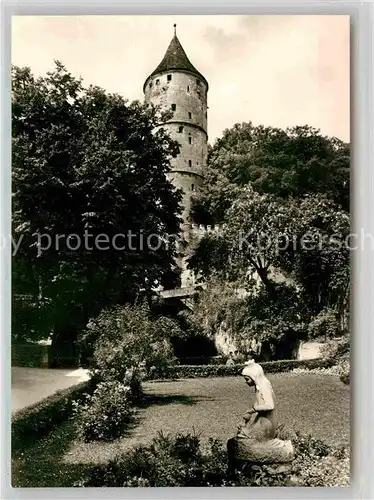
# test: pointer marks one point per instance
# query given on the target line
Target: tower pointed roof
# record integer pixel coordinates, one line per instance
(175, 58)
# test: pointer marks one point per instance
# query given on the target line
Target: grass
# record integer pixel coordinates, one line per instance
(41, 465)
(312, 403)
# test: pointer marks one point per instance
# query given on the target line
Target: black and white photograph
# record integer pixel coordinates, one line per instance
(181, 241)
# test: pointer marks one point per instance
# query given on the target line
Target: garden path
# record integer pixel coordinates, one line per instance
(30, 385)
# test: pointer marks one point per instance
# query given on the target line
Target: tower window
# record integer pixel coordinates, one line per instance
(189, 115)
(197, 81)
(192, 187)
(173, 107)
(150, 84)
(190, 140)
(188, 88)
(157, 81)
(169, 78)
(181, 129)
(189, 163)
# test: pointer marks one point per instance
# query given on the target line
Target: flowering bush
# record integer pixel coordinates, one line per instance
(105, 414)
(129, 343)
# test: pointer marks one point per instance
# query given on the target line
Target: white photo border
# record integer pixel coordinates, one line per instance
(362, 196)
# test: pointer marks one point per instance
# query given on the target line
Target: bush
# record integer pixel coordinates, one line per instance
(129, 339)
(40, 418)
(338, 351)
(326, 324)
(197, 371)
(181, 461)
(104, 414)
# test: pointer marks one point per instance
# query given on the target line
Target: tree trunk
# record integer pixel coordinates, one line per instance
(64, 351)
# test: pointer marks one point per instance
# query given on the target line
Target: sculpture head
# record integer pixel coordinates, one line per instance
(253, 374)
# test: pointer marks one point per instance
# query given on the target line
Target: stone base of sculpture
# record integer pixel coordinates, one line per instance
(265, 452)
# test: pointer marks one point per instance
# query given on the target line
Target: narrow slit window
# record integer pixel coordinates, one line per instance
(181, 129)
(190, 115)
(189, 163)
(169, 78)
(157, 82)
(192, 187)
(173, 107)
(150, 84)
(197, 81)
(188, 88)
(190, 140)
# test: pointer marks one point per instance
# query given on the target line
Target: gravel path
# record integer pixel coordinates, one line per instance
(30, 385)
(313, 403)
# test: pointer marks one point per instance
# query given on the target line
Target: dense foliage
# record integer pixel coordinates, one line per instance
(285, 163)
(181, 461)
(279, 266)
(129, 343)
(87, 166)
(105, 414)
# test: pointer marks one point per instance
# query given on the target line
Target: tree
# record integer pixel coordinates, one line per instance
(318, 258)
(276, 319)
(89, 189)
(285, 163)
(291, 258)
(248, 244)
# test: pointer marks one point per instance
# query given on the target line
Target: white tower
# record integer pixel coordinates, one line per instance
(176, 85)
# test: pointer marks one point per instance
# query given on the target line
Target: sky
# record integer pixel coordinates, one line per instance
(278, 71)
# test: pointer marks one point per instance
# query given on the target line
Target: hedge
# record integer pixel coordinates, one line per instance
(32, 422)
(30, 355)
(195, 371)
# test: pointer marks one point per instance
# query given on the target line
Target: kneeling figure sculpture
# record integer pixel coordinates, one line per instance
(256, 440)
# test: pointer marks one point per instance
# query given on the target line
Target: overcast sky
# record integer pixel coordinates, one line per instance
(271, 70)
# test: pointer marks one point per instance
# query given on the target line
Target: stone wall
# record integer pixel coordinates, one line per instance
(184, 95)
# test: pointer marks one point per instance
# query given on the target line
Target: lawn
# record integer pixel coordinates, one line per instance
(312, 403)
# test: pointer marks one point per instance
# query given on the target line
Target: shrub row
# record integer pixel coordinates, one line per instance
(181, 461)
(32, 422)
(197, 371)
(30, 355)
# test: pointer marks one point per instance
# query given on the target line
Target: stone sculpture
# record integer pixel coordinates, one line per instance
(256, 440)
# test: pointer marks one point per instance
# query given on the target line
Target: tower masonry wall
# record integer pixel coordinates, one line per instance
(193, 147)
(185, 90)
(189, 182)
